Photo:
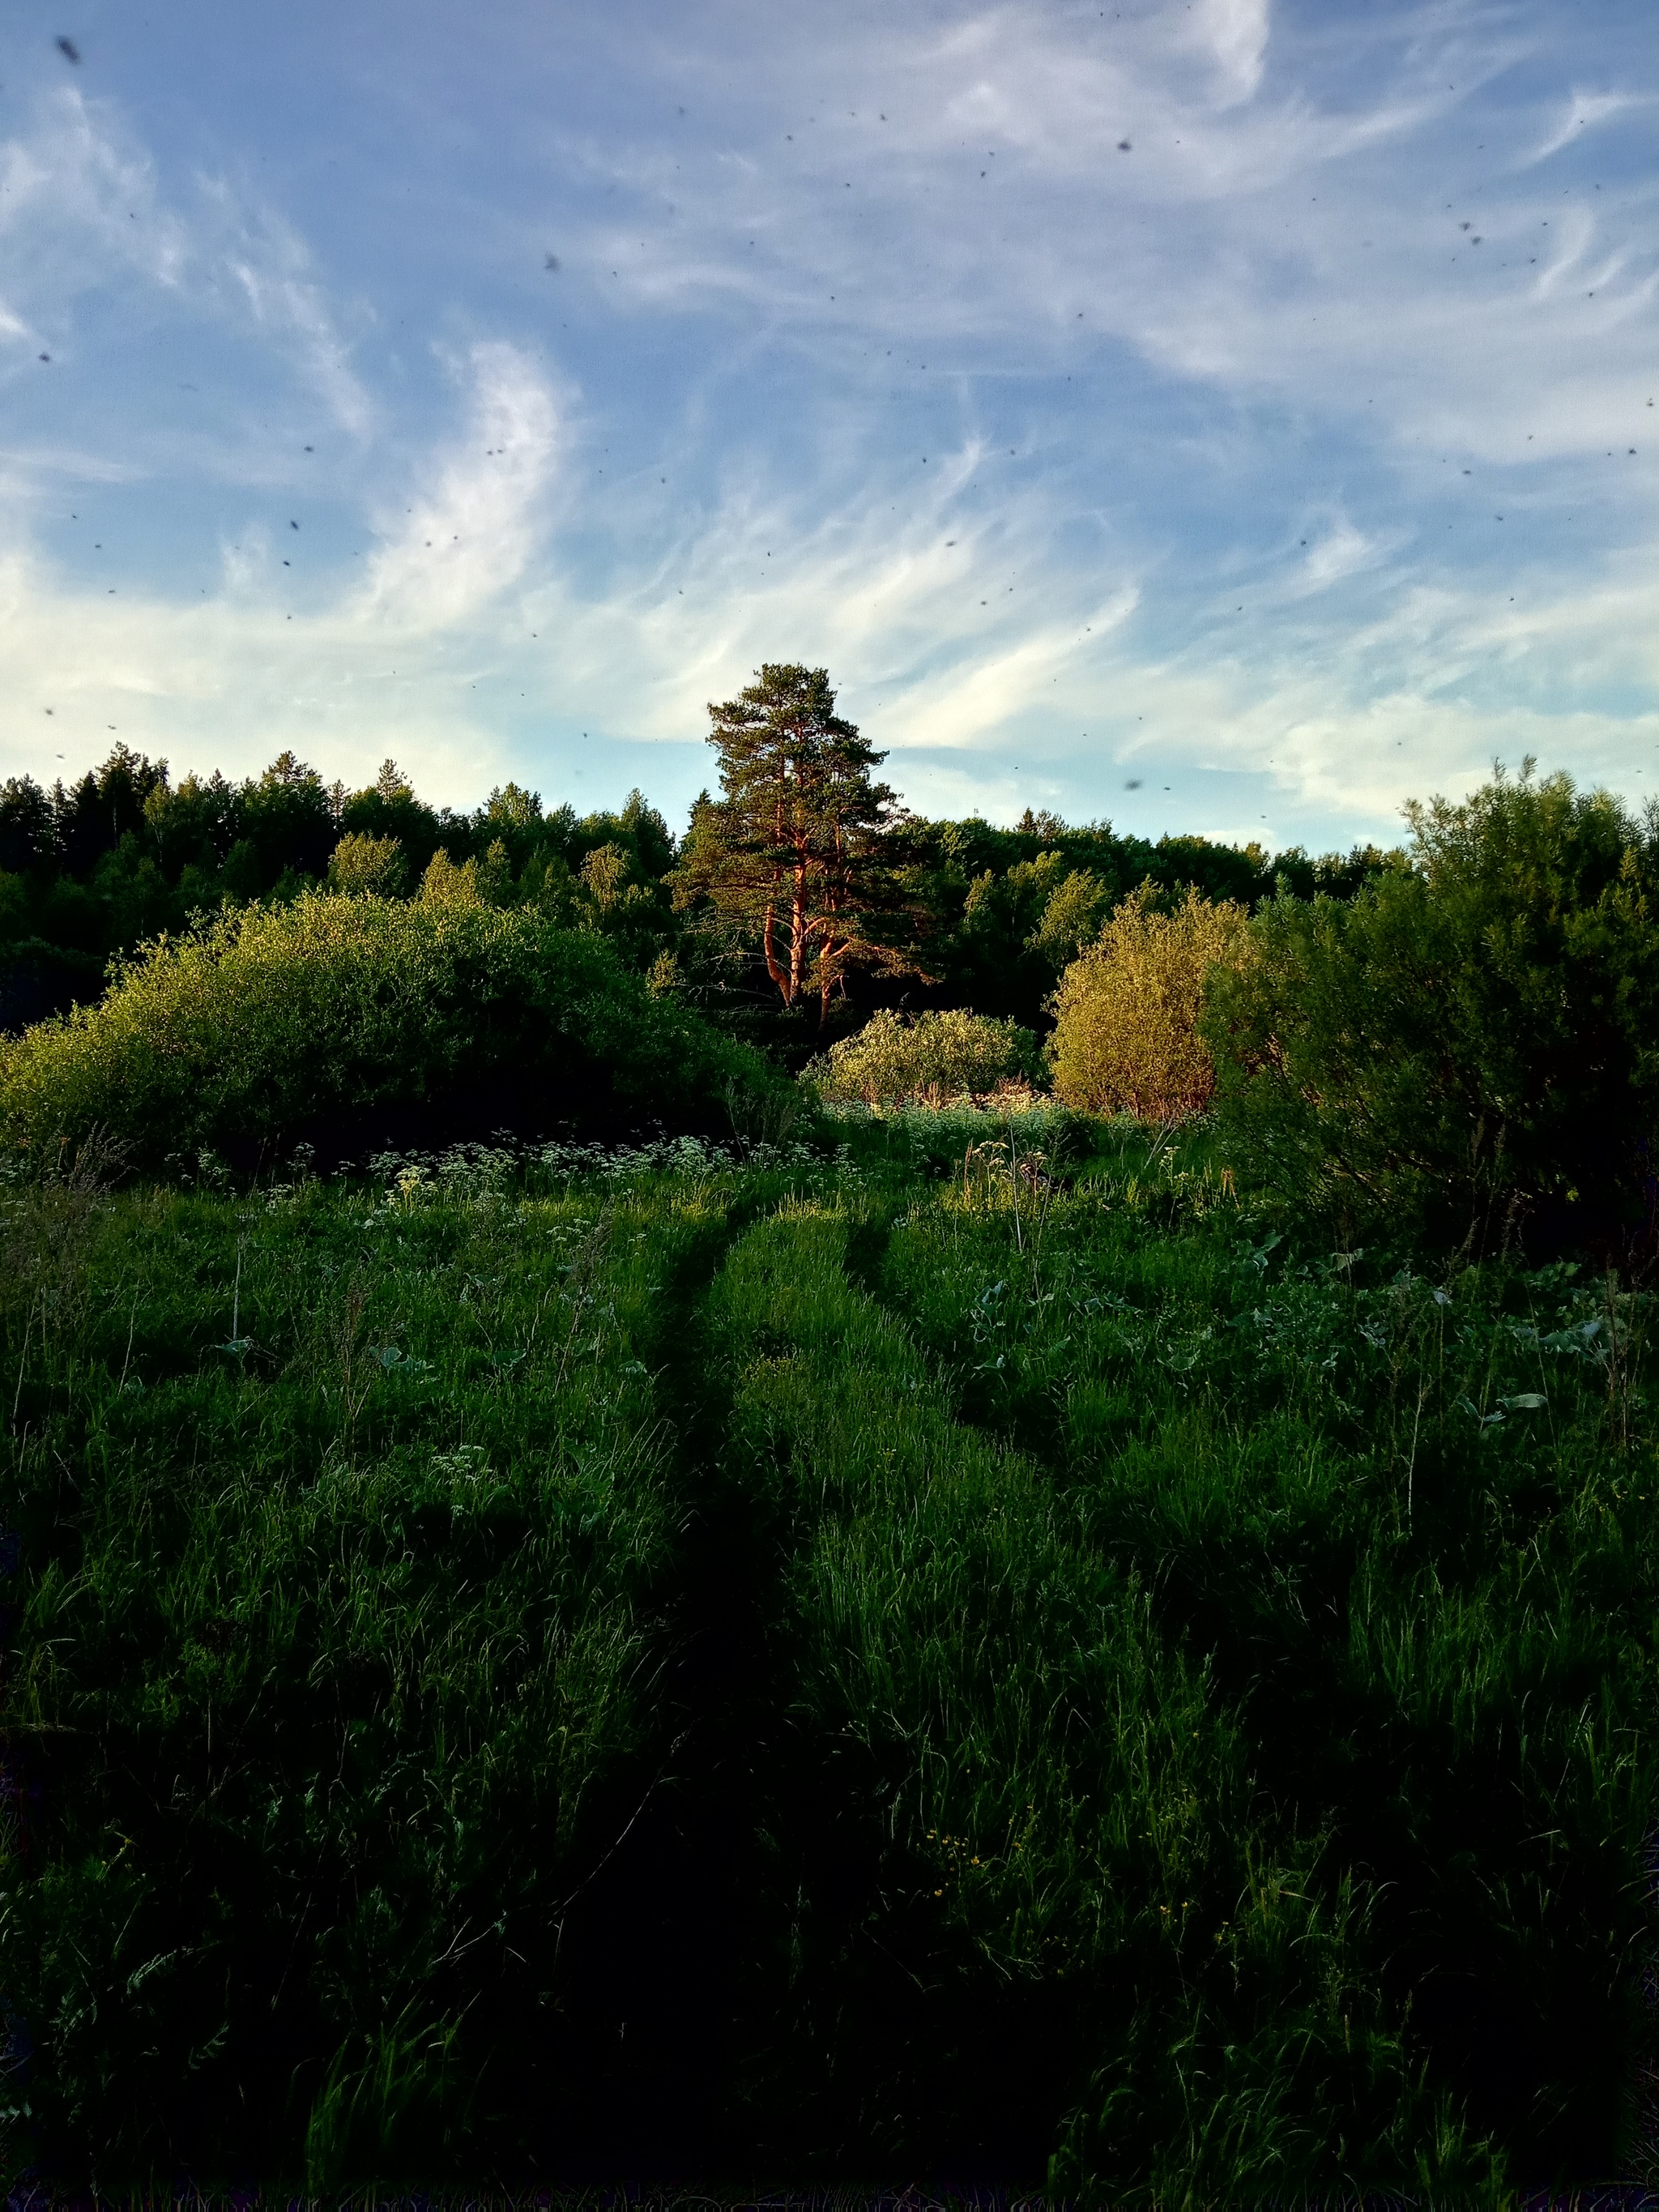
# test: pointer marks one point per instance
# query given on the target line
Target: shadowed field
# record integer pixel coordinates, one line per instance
(968, 1655)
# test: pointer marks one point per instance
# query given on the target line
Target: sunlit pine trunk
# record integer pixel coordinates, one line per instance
(773, 966)
(799, 928)
(835, 941)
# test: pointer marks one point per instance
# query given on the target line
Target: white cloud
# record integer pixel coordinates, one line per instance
(1583, 111)
(83, 211)
(474, 527)
(1279, 258)
(1336, 718)
(78, 204)
(388, 664)
(1235, 33)
(1253, 237)
(1342, 552)
(268, 263)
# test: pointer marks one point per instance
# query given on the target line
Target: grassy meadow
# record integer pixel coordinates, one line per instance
(948, 1644)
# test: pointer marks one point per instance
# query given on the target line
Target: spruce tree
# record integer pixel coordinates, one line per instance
(791, 852)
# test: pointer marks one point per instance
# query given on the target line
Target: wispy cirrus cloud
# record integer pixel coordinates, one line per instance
(83, 211)
(79, 203)
(384, 657)
(1228, 401)
(479, 514)
(1583, 111)
(1235, 34)
(1330, 720)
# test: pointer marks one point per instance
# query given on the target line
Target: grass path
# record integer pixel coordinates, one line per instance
(805, 1672)
(1035, 1829)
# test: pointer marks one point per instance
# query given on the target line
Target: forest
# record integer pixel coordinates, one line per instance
(836, 1502)
(90, 871)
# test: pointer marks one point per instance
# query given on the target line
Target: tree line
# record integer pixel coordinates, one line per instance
(802, 896)
(1457, 1034)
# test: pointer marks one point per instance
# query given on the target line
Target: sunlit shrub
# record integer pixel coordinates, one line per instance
(929, 1058)
(1126, 1036)
(360, 865)
(263, 1023)
(446, 884)
(1072, 915)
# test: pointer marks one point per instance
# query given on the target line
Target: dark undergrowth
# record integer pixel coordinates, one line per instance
(968, 1659)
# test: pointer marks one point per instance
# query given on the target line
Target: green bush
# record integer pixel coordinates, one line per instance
(895, 1060)
(364, 864)
(341, 1019)
(1126, 1036)
(1472, 1038)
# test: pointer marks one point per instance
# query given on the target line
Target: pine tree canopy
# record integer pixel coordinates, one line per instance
(792, 851)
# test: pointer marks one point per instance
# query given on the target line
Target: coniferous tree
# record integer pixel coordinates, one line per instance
(792, 851)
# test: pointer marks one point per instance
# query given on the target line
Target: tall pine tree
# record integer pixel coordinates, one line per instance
(791, 852)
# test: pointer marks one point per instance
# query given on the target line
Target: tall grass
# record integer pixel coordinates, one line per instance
(1075, 1928)
(966, 1655)
(1411, 1528)
(343, 1522)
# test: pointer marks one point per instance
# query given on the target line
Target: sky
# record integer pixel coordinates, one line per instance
(1230, 418)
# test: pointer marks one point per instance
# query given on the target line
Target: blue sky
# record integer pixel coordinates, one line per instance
(1232, 418)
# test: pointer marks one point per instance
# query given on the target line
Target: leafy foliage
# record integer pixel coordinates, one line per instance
(991, 914)
(126, 855)
(1000, 912)
(1126, 1036)
(988, 1648)
(1470, 1042)
(319, 1020)
(360, 865)
(930, 1057)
